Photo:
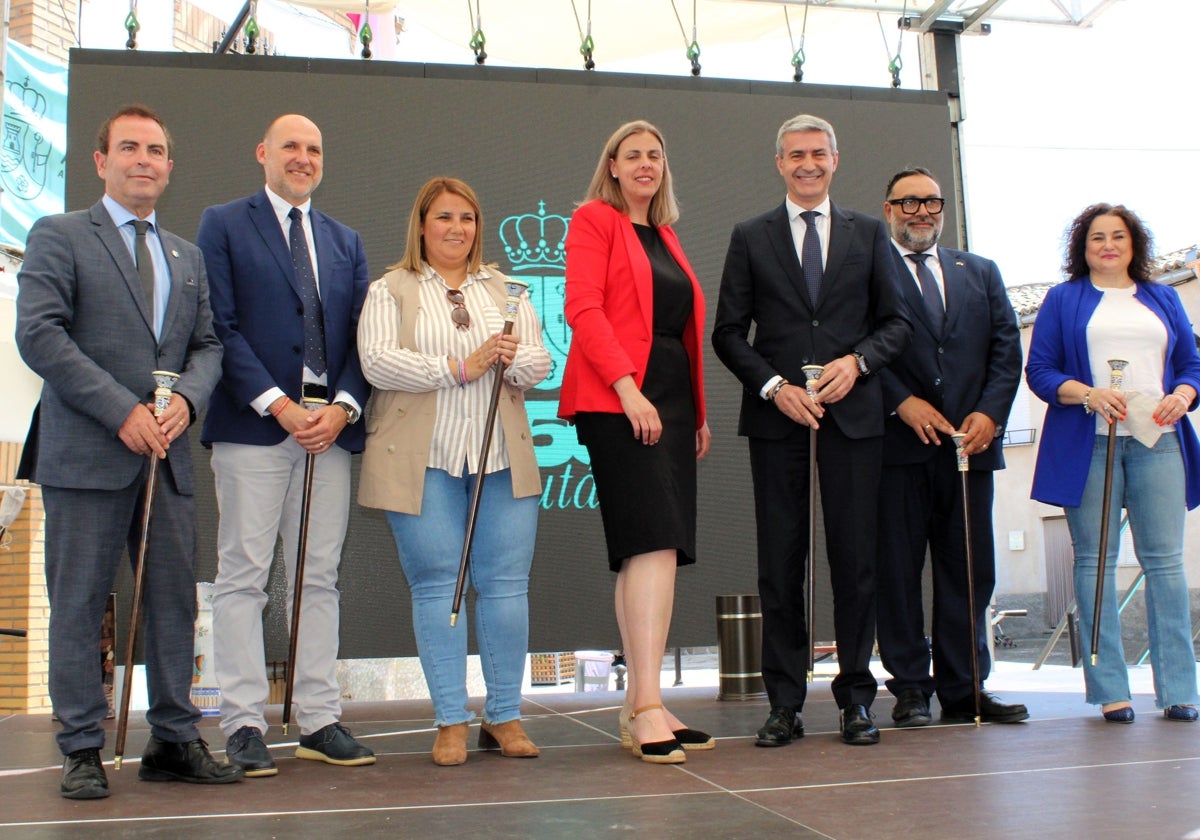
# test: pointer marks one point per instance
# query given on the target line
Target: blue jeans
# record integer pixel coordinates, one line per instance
(430, 546)
(1149, 484)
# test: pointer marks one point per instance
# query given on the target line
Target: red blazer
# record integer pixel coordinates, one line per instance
(610, 309)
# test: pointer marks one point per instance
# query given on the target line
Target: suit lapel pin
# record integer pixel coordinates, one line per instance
(191, 281)
(959, 263)
(174, 253)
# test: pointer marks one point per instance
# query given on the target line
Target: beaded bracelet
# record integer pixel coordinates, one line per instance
(1087, 395)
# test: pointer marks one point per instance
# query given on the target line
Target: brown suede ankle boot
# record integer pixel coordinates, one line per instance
(510, 737)
(450, 748)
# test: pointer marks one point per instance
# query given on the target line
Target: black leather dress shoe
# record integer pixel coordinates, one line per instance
(245, 749)
(165, 761)
(911, 709)
(858, 727)
(83, 776)
(991, 710)
(782, 727)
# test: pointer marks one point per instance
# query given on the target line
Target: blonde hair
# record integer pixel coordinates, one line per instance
(663, 208)
(414, 246)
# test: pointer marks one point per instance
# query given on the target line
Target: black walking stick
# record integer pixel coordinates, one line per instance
(310, 468)
(512, 302)
(164, 382)
(811, 374)
(963, 468)
(1116, 378)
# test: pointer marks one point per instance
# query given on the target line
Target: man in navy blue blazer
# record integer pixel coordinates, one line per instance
(288, 283)
(960, 373)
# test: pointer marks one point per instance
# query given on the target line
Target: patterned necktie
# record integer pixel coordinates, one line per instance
(810, 256)
(314, 322)
(145, 263)
(929, 289)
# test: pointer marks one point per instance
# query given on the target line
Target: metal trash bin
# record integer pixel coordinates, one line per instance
(739, 648)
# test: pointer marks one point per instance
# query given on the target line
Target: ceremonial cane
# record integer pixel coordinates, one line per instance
(1116, 378)
(164, 382)
(310, 468)
(512, 303)
(811, 374)
(963, 467)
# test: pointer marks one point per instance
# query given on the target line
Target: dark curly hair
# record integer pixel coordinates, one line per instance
(1076, 241)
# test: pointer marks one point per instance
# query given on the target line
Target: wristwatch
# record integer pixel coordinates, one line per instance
(352, 413)
(863, 367)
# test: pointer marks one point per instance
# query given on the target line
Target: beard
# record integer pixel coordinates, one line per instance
(916, 242)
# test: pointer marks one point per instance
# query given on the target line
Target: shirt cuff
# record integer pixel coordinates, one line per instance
(766, 389)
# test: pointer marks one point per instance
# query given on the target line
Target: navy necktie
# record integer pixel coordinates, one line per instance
(810, 256)
(929, 290)
(145, 263)
(314, 322)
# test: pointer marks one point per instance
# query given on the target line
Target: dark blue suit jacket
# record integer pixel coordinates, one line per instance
(259, 317)
(858, 312)
(974, 364)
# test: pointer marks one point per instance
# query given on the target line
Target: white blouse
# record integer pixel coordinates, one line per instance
(461, 410)
(1122, 327)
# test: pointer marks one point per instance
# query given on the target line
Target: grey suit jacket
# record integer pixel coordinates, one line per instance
(83, 326)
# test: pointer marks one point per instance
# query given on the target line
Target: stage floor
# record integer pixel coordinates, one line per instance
(1063, 774)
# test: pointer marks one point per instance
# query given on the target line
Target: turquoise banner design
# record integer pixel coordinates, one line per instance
(535, 248)
(34, 142)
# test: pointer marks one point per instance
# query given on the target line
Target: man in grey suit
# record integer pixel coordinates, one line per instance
(959, 374)
(87, 326)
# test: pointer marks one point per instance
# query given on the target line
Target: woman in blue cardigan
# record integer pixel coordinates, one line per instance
(1109, 309)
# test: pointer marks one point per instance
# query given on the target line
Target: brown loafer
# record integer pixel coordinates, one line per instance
(509, 737)
(450, 748)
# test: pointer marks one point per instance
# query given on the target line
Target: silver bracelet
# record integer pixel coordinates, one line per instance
(1087, 395)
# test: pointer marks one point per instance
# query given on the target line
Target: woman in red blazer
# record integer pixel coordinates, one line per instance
(633, 386)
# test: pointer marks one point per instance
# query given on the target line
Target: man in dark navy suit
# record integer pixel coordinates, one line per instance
(817, 284)
(959, 374)
(288, 283)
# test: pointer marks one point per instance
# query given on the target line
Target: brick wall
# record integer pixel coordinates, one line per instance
(46, 25)
(24, 663)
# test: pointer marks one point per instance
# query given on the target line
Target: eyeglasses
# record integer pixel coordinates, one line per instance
(459, 314)
(910, 206)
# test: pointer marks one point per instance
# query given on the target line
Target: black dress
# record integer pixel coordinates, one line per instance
(647, 494)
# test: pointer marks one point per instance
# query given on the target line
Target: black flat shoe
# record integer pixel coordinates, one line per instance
(858, 727)
(167, 761)
(991, 710)
(246, 749)
(782, 727)
(911, 709)
(1121, 715)
(83, 776)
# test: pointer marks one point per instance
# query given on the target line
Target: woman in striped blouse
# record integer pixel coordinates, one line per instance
(429, 338)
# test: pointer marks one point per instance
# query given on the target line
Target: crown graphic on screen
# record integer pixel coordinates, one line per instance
(535, 240)
(32, 101)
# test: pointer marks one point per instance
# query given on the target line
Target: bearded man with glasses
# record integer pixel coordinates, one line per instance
(959, 374)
